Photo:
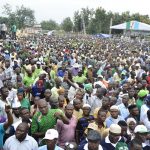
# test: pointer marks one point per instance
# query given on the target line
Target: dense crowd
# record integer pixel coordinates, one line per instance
(74, 93)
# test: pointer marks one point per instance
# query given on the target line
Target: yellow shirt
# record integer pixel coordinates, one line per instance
(96, 112)
(78, 114)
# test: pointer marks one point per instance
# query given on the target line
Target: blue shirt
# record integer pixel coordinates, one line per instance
(2, 132)
(111, 120)
(124, 112)
(45, 147)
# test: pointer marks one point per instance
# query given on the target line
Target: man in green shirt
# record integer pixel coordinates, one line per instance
(80, 78)
(45, 119)
(28, 79)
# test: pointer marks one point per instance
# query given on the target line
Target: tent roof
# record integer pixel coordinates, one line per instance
(132, 25)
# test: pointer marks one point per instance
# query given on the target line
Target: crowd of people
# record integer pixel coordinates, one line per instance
(74, 93)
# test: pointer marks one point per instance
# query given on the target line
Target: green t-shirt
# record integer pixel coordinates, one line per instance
(121, 146)
(41, 123)
(53, 74)
(28, 81)
(37, 72)
(139, 103)
(78, 79)
(25, 103)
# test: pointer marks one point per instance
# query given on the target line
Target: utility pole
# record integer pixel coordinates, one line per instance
(83, 23)
(110, 25)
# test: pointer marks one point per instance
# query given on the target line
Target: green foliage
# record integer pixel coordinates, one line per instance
(22, 16)
(67, 24)
(98, 21)
(49, 25)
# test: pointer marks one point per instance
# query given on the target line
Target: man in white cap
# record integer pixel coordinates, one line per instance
(114, 137)
(51, 137)
(141, 133)
(114, 118)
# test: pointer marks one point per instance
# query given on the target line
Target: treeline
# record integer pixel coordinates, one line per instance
(94, 21)
(88, 20)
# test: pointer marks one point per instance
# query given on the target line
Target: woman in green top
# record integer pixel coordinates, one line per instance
(24, 101)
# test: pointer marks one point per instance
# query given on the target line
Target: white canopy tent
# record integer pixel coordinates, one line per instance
(132, 25)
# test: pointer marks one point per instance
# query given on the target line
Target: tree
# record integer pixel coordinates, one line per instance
(22, 16)
(67, 24)
(49, 25)
(25, 17)
(77, 22)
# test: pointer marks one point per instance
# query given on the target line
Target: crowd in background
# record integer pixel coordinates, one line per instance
(74, 92)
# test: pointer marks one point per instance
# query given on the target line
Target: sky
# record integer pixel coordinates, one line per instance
(60, 9)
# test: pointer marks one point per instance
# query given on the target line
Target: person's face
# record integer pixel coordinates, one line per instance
(54, 104)
(16, 110)
(36, 99)
(99, 93)
(61, 102)
(43, 108)
(114, 137)
(29, 72)
(124, 130)
(7, 64)
(131, 93)
(86, 111)
(21, 132)
(69, 111)
(51, 143)
(125, 100)
(80, 73)
(113, 101)
(105, 103)
(141, 136)
(9, 85)
(77, 105)
(33, 68)
(125, 87)
(5, 92)
(135, 111)
(25, 115)
(136, 147)
(93, 145)
(102, 116)
(38, 66)
(114, 113)
(132, 125)
(20, 96)
(17, 70)
(79, 95)
(48, 94)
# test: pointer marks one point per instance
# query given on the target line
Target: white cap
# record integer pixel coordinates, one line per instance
(100, 76)
(140, 129)
(38, 63)
(6, 51)
(86, 105)
(76, 65)
(114, 107)
(51, 134)
(115, 128)
(92, 56)
(89, 66)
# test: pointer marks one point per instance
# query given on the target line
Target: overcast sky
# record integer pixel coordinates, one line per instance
(59, 9)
